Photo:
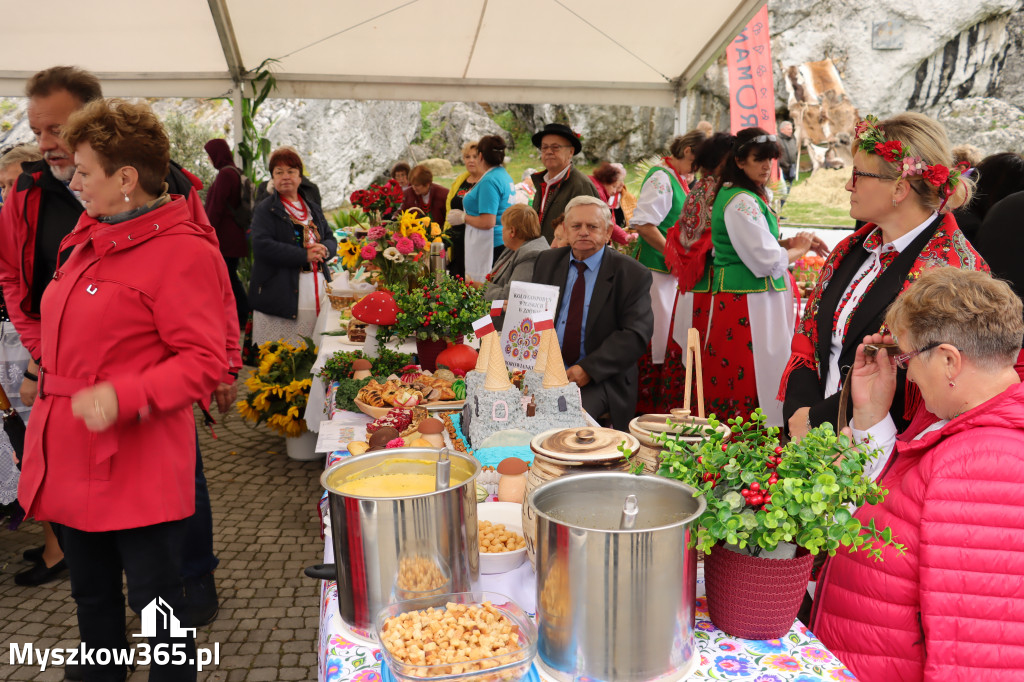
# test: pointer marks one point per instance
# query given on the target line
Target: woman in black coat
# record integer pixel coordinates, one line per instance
(291, 244)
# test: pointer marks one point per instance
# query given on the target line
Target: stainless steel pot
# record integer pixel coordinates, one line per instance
(390, 549)
(616, 583)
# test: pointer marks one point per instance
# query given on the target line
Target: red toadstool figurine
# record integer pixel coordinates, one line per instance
(376, 309)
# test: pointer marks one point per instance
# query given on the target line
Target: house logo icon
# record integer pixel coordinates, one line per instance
(157, 616)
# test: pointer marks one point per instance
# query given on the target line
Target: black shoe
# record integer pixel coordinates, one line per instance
(40, 574)
(73, 672)
(201, 604)
(35, 554)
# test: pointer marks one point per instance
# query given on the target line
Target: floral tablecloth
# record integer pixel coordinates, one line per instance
(797, 657)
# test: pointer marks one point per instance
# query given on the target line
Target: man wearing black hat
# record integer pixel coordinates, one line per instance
(560, 182)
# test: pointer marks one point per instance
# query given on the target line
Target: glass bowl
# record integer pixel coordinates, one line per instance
(510, 667)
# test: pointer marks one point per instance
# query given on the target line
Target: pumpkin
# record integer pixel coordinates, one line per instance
(457, 357)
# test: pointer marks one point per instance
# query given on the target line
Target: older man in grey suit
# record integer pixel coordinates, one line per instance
(604, 320)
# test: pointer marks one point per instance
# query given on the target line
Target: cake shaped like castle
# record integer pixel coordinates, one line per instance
(497, 413)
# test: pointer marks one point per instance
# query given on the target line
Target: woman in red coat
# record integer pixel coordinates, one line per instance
(950, 607)
(132, 334)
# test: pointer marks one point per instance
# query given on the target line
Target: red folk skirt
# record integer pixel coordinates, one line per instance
(730, 384)
(662, 387)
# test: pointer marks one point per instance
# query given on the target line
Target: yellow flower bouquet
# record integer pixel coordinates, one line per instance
(279, 388)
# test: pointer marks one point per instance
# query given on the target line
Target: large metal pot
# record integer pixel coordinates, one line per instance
(390, 549)
(616, 583)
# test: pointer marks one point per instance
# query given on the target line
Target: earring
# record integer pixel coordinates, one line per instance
(895, 203)
(126, 198)
(952, 385)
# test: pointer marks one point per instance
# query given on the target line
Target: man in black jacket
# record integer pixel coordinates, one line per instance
(604, 323)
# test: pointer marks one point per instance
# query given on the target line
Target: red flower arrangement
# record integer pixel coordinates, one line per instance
(383, 199)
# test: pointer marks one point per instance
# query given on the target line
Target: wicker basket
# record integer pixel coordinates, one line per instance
(753, 597)
(339, 301)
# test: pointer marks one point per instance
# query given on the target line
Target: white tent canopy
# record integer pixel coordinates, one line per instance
(643, 52)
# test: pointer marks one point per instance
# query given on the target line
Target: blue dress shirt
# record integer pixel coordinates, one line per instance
(593, 264)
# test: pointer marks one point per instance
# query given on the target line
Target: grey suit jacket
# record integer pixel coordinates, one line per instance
(514, 266)
(618, 327)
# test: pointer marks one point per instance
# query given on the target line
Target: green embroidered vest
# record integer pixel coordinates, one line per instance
(647, 254)
(730, 274)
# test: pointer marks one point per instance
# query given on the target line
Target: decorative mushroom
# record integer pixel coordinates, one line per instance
(361, 368)
(512, 484)
(376, 309)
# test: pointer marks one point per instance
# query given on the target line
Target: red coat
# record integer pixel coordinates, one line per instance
(19, 221)
(435, 206)
(138, 304)
(952, 607)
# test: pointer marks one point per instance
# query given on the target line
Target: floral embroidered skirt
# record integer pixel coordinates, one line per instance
(663, 387)
(730, 386)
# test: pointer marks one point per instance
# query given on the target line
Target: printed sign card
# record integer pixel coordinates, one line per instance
(520, 338)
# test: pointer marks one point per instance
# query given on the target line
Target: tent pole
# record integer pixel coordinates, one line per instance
(237, 129)
(682, 115)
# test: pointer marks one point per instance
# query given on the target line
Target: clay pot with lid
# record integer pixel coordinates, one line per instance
(646, 427)
(564, 452)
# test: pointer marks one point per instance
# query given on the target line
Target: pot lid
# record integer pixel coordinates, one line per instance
(659, 422)
(588, 444)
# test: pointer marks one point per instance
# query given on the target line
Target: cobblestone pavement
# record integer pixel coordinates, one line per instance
(265, 532)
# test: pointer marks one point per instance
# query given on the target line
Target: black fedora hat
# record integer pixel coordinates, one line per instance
(560, 130)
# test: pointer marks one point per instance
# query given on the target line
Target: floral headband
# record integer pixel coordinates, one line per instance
(871, 139)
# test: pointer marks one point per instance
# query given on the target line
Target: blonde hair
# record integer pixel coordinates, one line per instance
(23, 153)
(468, 147)
(967, 153)
(523, 219)
(969, 309)
(677, 148)
(925, 137)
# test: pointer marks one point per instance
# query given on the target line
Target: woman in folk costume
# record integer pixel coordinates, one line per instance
(904, 185)
(688, 242)
(751, 319)
(659, 204)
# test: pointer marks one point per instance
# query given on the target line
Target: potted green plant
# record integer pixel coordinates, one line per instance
(766, 500)
(438, 313)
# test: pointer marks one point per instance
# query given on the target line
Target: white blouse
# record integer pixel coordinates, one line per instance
(655, 200)
(863, 282)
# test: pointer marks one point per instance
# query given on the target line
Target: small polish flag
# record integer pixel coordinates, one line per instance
(483, 326)
(543, 321)
(497, 308)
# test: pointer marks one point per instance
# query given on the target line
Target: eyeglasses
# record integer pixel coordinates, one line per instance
(862, 174)
(904, 358)
(553, 147)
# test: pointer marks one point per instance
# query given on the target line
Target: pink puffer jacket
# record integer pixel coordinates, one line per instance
(952, 607)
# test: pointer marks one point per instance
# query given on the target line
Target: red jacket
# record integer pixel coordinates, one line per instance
(436, 202)
(19, 221)
(952, 607)
(155, 333)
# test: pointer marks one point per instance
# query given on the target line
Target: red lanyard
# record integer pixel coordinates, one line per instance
(544, 193)
(680, 178)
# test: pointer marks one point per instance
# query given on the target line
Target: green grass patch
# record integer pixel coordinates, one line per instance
(426, 109)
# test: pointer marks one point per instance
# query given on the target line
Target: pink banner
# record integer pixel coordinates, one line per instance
(751, 87)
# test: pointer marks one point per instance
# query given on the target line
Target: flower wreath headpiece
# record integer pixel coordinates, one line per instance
(871, 139)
